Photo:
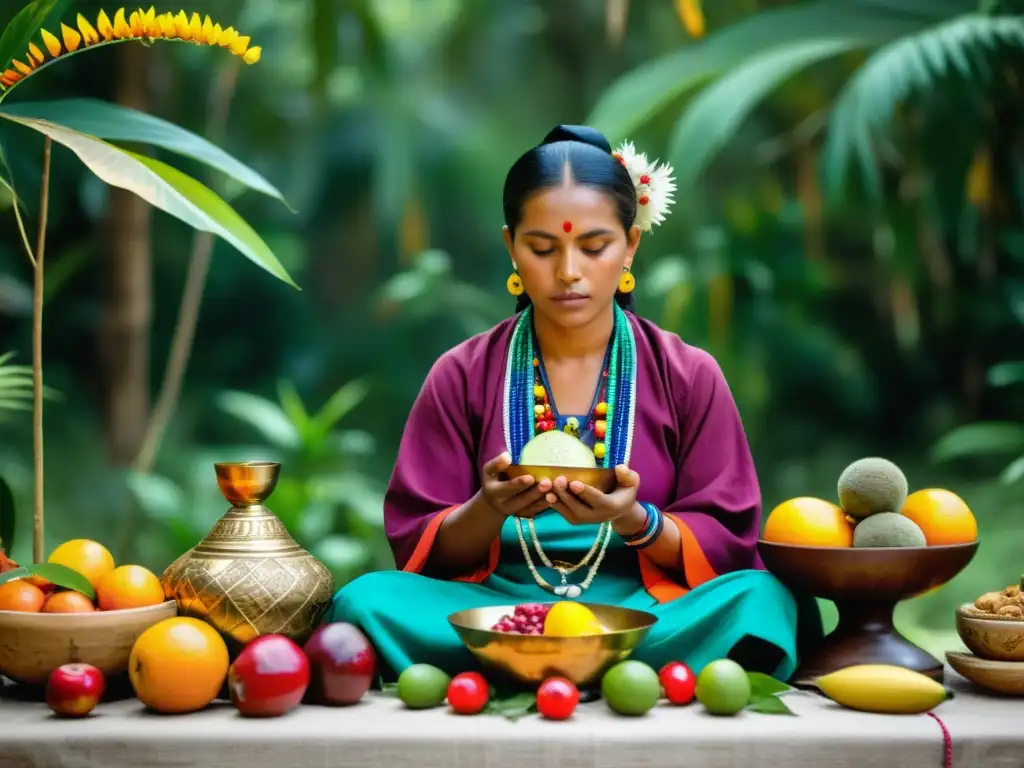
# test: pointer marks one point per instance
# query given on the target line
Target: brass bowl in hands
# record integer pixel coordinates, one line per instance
(596, 477)
(530, 659)
(988, 637)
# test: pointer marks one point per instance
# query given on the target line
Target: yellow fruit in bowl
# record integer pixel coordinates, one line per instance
(569, 619)
(809, 522)
(87, 557)
(129, 586)
(943, 516)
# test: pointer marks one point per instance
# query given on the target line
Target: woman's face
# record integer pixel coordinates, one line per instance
(570, 250)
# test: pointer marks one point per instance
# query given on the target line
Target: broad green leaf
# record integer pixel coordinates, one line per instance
(637, 96)
(163, 187)
(922, 62)
(1013, 472)
(63, 576)
(769, 705)
(982, 438)
(112, 122)
(159, 497)
(717, 112)
(345, 399)
(1003, 374)
(762, 685)
(511, 707)
(263, 415)
(15, 39)
(7, 519)
(16, 573)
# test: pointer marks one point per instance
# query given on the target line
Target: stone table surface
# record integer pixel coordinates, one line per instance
(379, 732)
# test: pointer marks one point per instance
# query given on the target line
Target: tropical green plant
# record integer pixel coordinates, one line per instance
(933, 55)
(88, 127)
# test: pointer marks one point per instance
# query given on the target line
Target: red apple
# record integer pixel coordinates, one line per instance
(269, 677)
(74, 690)
(343, 664)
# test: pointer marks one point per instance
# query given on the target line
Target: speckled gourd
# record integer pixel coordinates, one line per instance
(888, 529)
(872, 485)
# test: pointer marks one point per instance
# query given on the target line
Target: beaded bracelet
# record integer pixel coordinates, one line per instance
(650, 532)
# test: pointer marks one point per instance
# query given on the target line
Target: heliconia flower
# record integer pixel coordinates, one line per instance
(134, 25)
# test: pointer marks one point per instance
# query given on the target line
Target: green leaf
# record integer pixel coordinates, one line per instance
(1004, 374)
(341, 553)
(17, 35)
(164, 187)
(717, 112)
(112, 122)
(770, 705)
(924, 62)
(263, 415)
(1013, 472)
(7, 519)
(636, 97)
(16, 573)
(345, 400)
(62, 576)
(982, 438)
(389, 689)
(762, 685)
(512, 707)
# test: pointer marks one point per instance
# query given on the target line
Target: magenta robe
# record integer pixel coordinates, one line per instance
(689, 449)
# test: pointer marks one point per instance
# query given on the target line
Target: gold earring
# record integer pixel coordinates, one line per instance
(627, 282)
(514, 284)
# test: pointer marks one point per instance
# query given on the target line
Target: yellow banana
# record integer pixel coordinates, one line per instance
(883, 688)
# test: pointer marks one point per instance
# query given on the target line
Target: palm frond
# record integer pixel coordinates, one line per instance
(16, 386)
(964, 49)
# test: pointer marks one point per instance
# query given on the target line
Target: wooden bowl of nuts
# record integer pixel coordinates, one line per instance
(992, 627)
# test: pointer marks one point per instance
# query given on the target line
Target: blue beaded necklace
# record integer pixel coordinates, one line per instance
(525, 412)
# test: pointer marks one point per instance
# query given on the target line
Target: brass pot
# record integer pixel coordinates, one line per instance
(249, 577)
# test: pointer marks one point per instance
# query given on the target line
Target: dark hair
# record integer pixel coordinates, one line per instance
(589, 156)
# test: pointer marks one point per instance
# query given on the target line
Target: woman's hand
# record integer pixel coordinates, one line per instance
(516, 497)
(581, 504)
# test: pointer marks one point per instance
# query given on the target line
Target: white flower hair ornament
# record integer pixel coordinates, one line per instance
(653, 183)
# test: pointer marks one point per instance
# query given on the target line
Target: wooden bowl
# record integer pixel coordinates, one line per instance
(865, 583)
(1006, 677)
(530, 659)
(596, 477)
(34, 644)
(990, 638)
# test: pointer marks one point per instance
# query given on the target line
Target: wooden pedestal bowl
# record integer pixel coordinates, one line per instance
(865, 584)
(529, 659)
(34, 644)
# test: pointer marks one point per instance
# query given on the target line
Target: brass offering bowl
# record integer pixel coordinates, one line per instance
(530, 659)
(988, 637)
(865, 583)
(249, 577)
(596, 477)
(32, 645)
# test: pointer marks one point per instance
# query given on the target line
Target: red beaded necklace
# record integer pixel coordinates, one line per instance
(544, 417)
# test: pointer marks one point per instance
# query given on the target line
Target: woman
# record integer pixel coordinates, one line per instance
(676, 537)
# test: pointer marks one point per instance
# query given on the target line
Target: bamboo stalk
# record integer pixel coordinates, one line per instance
(37, 360)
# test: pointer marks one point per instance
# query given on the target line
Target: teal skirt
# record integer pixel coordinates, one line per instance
(748, 616)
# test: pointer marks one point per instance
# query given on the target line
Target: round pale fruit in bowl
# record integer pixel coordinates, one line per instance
(554, 454)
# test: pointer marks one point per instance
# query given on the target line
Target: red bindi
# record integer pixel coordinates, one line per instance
(567, 226)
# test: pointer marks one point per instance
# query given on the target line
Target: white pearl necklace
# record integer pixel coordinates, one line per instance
(571, 591)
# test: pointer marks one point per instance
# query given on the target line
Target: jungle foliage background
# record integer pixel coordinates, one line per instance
(848, 241)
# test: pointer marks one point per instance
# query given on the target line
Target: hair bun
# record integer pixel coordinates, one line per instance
(581, 133)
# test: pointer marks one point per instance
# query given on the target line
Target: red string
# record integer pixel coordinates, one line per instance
(947, 742)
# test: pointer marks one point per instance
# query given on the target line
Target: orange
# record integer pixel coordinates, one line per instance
(809, 522)
(68, 601)
(19, 595)
(129, 586)
(89, 558)
(178, 665)
(943, 516)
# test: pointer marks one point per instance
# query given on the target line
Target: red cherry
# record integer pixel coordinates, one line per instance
(557, 698)
(678, 682)
(468, 693)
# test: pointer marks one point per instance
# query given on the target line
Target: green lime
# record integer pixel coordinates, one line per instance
(723, 687)
(422, 686)
(631, 688)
